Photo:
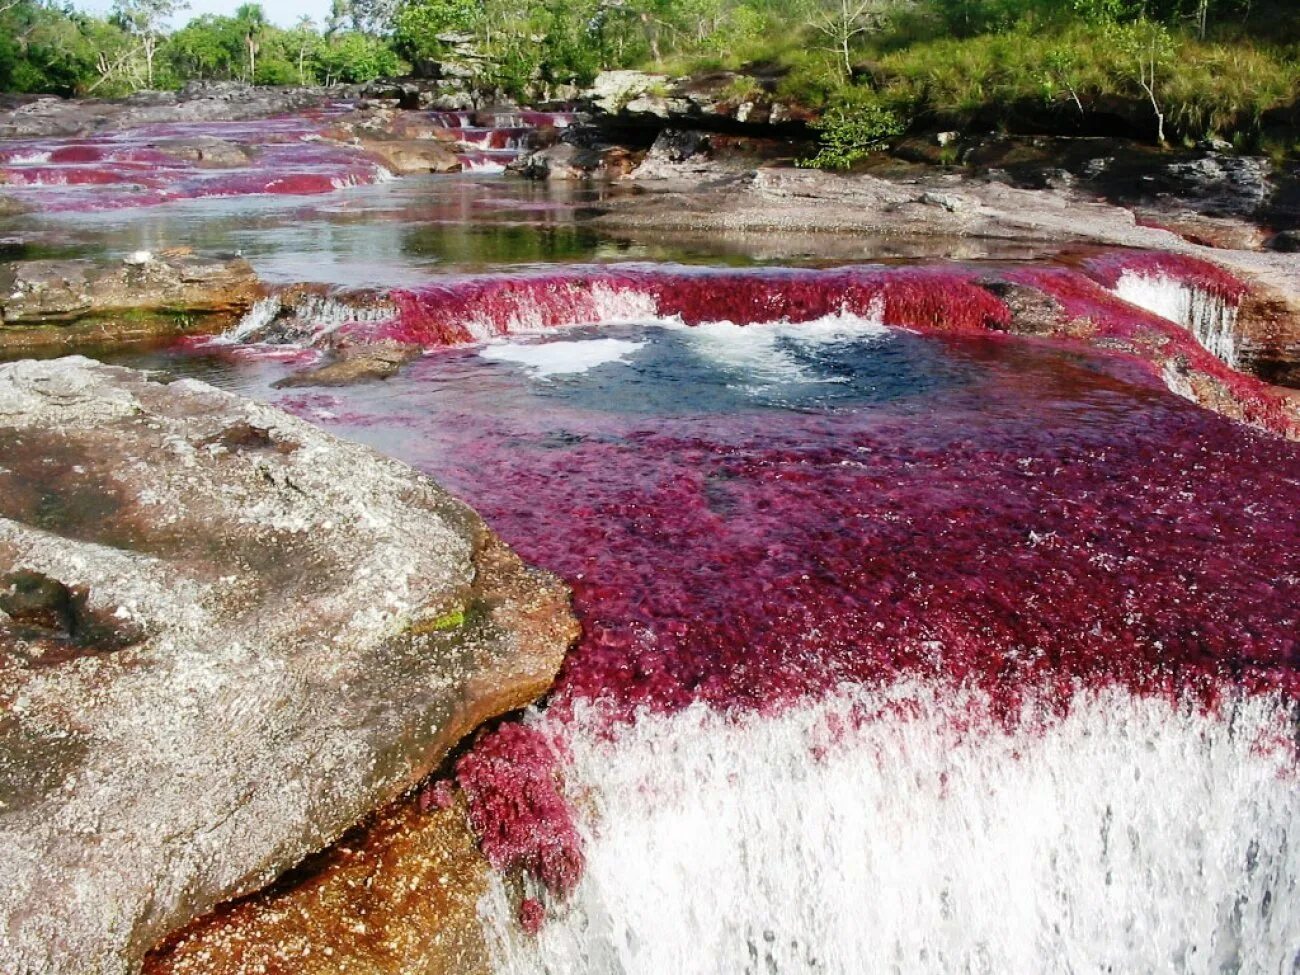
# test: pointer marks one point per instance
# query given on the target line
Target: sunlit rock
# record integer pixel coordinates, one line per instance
(226, 638)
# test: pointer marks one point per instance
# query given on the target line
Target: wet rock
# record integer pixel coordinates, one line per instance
(207, 151)
(409, 156)
(44, 622)
(1287, 242)
(197, 102)
(569, 161)
(355, 364)
(315, 627)
(399, 898)
(143, 294)
(691, 156)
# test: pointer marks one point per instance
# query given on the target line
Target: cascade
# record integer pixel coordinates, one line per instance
(1195, 294)
(900, 830)
(904, 650)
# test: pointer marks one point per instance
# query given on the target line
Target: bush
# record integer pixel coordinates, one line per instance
(851, 129)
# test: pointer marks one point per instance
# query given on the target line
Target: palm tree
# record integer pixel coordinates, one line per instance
(252, 18)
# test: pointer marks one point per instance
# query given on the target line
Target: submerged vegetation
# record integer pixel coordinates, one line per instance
(1161, 69)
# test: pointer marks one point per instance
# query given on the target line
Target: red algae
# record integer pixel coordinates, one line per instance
(1110, 266)
(947, 298)
(1061, 523)
(470, 308)
(154, 164)
(510, 779)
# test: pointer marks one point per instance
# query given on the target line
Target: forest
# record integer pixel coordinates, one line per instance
(1222, 68)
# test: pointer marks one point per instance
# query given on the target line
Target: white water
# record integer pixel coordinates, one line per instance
(308, 320)
(603, 304)
(1133, 836)
(1208, 317)
(544, 359)
(765, 353)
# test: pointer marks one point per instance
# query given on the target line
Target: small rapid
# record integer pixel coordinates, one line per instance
(905, 830)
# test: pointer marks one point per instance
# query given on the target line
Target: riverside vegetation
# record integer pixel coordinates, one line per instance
(1159, 70)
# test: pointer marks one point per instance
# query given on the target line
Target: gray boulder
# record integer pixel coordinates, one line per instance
(225, 638)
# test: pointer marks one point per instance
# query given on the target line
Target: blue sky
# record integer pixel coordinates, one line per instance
(283, 12)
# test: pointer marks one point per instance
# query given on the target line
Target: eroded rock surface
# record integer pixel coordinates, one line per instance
(226, 638)
(56, 301)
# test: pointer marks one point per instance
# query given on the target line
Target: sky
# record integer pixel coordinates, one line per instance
(282, 12)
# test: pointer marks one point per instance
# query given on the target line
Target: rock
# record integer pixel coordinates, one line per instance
(611, 91)
(1286, 242)
(1219, 184)
(207, 151)
(679, 145)
(1215, 144)
(355, 364)
(687, 156)
(399, 898)
(723, 101)
(303, 629)
(144, 294)
(197, 102)
(408, 156)
(948, 201)
(567, 161)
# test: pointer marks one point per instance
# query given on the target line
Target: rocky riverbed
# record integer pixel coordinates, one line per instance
(234, 647)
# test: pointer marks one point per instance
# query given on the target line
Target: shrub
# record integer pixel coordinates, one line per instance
(850, 130)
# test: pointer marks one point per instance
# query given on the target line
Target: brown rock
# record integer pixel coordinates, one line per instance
(207, 151)
(355, 364)
(53, 302)
(301, 630)
(399, 897)
(408, 156)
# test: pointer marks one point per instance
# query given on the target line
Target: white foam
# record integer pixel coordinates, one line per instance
(561, 358)
(488, 166)
(1132, 836)
(764, 354)
(602, 304)
(33, 157)
(256, 320)
(1207, 316)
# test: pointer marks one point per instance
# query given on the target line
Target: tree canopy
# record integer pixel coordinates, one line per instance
(1200, 65)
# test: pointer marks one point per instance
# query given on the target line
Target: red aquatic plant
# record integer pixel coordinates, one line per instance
(511, 781)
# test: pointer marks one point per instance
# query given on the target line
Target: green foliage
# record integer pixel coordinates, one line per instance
(1191, 67)
(851, 129)
(354, 57)
(418, 24)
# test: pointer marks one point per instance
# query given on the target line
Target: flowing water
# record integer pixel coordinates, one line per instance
(908, 646)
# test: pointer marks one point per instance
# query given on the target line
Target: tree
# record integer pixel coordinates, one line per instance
(1146, 49)
(208, 47)
(1061, 76)
(354, 58)
(305, 43)
(419, 23)
(146, 21)
(842, 21)
(252, 20)
(851, 128)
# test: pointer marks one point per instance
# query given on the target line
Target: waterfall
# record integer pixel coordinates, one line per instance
(903, 831)
(1211, 317)
(306, 319)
